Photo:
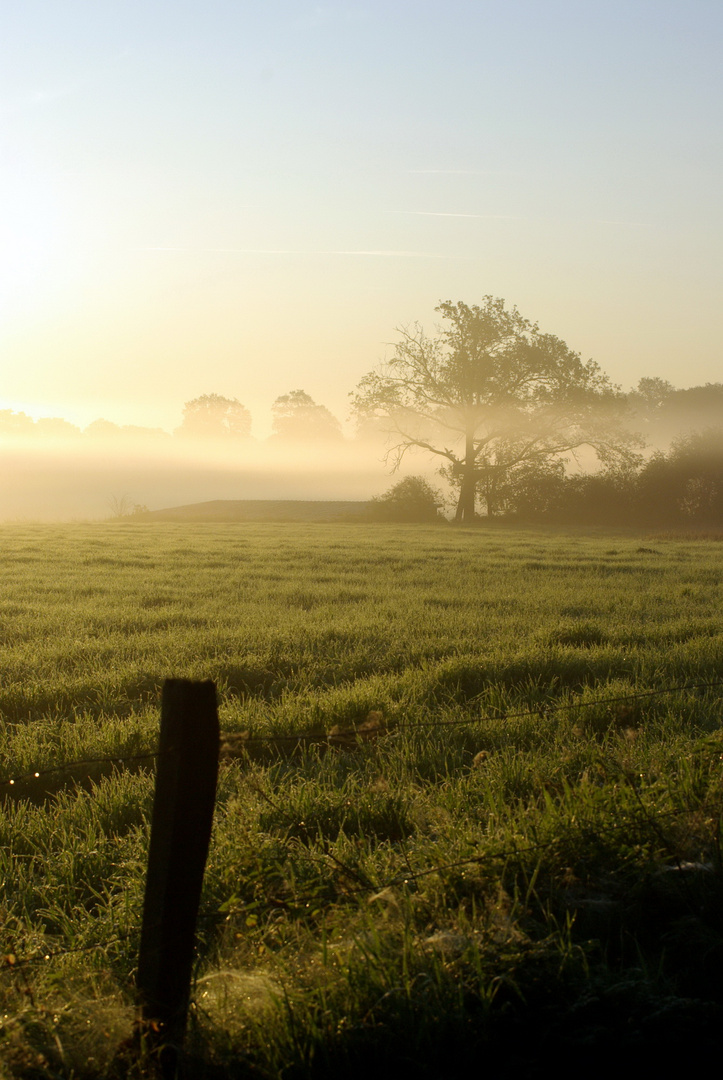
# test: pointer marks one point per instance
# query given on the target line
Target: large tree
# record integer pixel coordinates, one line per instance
(213, 416)
(298, 417)
(490, 395)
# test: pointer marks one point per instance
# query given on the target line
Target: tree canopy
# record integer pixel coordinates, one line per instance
(213, 416)
(665, 413)
(491, 395)
(16, 423)
(298, 417)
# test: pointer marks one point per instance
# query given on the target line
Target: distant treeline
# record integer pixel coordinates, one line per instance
(676, 481)
(211, 417)
(656, 409)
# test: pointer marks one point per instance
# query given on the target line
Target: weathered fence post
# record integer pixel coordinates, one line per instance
(180, 834)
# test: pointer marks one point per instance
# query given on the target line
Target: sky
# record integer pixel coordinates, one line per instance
(245, 199)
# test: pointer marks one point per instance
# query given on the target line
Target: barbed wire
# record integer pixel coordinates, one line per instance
(645, 816)
(542, 711)
(545, 710)
(54, 770)
(528, 849)
(12, 963)
(233, 744)
(358, 881)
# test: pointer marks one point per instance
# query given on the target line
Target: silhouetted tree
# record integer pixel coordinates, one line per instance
(528, 490)
(490, 394)
(651, 393)
(298, 417)
(663, 413)
(102, 429)
(19, 423)
(54, 427)
(15, 423)
(213, 416)
(686, 485)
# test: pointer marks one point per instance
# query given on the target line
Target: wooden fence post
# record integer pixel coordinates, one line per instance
(180, 834)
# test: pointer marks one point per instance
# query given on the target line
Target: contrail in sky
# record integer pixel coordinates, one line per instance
(445, 213)
(514, 217)
(293, 251)
(637, 224)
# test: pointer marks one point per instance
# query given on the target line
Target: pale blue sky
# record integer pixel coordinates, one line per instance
(245, 199)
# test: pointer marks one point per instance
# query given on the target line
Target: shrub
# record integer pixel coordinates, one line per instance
(411, 499)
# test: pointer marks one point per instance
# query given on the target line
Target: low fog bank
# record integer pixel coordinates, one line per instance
(51, 471)
(58, 481)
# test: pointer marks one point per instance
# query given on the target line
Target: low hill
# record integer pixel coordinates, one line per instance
(260, 510)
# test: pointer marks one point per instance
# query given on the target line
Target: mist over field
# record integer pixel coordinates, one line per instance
(61, 480)
(51, 470)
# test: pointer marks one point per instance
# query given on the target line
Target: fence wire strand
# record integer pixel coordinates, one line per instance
(11, 963)
(240, 741)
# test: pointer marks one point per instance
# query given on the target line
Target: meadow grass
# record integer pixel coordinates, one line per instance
(472, 882)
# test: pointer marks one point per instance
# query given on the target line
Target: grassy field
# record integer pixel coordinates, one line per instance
(523, 867)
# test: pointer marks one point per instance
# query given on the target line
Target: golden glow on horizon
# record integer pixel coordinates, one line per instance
(243, 201)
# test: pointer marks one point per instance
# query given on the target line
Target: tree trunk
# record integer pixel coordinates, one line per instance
(490, 495)
(468, 490)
